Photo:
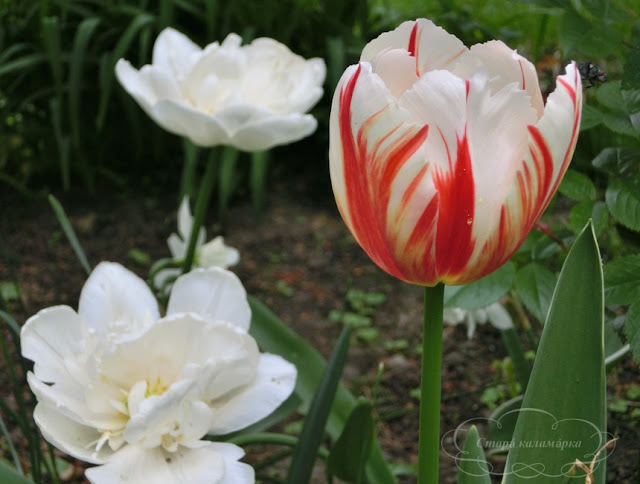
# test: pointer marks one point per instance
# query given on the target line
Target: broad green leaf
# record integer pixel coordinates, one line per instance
(8, 475)
(274, 337)
(619, 123)
(614, 348)
(617, 160)
(591, 117)
(535, 284)
(632, 329)
(481, 293)
(577, 186)
(622, 280)
(312, 435)
(623, 201)
(472, 464)
(502, 423)
(563, 413)
(610, 95)
(351, 451)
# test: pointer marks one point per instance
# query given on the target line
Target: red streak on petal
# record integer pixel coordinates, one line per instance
(456, 189)
(421, 242)
(524, 82)
(369, 173)
(411, 48)
(543, 162)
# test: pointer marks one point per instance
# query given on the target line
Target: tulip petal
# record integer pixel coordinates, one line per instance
(52, 339)
(174, 53)
(235, 472)
(148, 85)
(372, 142)
(185, 224)
(273, 384)
(215, 254)
(116, 301)
(136, 465)
(265, 133)
(68, 435)
(432, 46)
(213, 293)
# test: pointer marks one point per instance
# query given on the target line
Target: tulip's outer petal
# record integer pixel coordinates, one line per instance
(263, 134)
(504, 66)
(235, 472)
(68, 435)
(431, 46)
(134, 464)
(148, 85)
(214, 293)
(371, 142)
(177, 246)
(273, 384)
(215, 254)
(53, 339)
(551, 142)
(185, 223)
(201, 128)
(117, 301)
(498, 316)
(175, 53)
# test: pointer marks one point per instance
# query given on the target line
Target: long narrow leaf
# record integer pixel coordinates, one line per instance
(259, 164)
(274, 337)
(12, 448)
(8, 475)
(563, 414)
(312, 433)
(473, 467)
(69, 233)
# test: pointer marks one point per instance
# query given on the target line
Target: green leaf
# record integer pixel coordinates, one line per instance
(351, 451)
(617, 160)
(502, 423)
(535, 284)
(614, 348)
(473, 464)
(259, 163)
(622, 280)
(623, 201)
(632, 329)
(8, 475)
(274, 337)
(577, 186)
(481, 293)
(312, 435)
(70, 233)
(563, 413)
(591, 117)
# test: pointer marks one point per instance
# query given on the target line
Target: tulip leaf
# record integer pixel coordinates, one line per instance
(563, 413)
(577, 186)
(351, 451)
(312, 435)
(632, 329)
(275, 337)
(534, 284)
(623, 201)
(622, 280)
(8, 475)
(502, 422)
(481, 293)
(69, 233)
(472, 464)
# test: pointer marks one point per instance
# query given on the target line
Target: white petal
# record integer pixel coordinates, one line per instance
(177, 246)
(69, 436)
(235, 472)
(216, 254)
(185, 224)
(499, 317)
(263, 134)
(183, 120)
(53, 339)
(214, 293)
(148, 85)
(116, 301)
(174, 52)
(136, 465)
(164, 275)
(274, 383)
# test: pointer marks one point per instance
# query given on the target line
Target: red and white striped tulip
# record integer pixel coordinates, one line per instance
(443, 158)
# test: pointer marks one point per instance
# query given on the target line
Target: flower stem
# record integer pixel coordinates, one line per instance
(204, 195)
(429, 446)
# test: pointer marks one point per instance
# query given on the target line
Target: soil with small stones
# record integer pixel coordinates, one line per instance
(300, 261)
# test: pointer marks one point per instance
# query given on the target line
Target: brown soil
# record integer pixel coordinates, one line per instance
(300, 261)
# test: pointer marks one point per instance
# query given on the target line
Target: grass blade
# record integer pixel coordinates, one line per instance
(69, 233)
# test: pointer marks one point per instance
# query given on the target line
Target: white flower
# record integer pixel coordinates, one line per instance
(120, 386)
(494, 314)
(212, 254)
(252, 97)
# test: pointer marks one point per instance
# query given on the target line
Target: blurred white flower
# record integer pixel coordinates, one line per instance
(212, 254)
(495, 314)
(252, 97)
(119, 386)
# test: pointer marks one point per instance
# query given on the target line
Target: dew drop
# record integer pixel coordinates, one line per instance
(469, 221)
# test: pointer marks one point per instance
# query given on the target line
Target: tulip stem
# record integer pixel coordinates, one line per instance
(429, 445)
(204, 195)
